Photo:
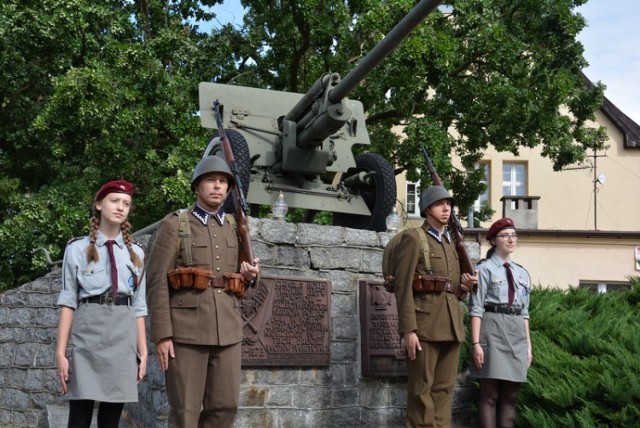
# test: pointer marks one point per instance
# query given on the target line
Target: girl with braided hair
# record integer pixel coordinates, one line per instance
(101, 351)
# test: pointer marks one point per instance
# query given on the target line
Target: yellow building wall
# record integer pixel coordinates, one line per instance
(567, 203)
(563, 262)
(567, 197)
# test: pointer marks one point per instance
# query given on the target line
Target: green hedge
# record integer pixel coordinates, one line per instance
(586, 359)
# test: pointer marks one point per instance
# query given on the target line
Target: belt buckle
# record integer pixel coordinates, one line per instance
(449, 287)
(109, 299)
(511, 310)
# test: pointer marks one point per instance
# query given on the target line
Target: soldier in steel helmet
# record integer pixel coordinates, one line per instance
(430, 317)
(195, 315)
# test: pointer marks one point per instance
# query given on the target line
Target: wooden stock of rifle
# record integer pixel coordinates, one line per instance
(465, 262)
(245, 253)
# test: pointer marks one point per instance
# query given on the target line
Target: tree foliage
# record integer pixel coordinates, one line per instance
(92, 91)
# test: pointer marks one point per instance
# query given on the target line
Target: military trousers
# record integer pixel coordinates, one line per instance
(203, 385)
(431, 381)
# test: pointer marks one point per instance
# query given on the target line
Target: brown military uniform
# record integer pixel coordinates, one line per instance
(204, 378)
(437, 319)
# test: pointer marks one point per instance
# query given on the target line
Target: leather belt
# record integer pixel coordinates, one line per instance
(217, 283)
(108, 299)
(434, 283)
(437, 284)
(503, 309)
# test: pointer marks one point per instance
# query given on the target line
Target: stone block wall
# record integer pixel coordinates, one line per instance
(335, 395)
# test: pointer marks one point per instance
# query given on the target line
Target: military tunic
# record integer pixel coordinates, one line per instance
(437, 319)
(103, 358)
(202, 324)
(503, 337)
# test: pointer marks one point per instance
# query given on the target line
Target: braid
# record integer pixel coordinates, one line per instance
(92, 251)
(128, 240)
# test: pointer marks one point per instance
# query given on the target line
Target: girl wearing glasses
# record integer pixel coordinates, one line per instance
(500, 341)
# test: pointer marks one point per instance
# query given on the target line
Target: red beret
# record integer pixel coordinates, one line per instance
(117, 186)
(498, 225)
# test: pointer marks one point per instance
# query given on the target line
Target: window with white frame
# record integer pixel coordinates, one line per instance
(413, 199)
(483, 199)
(514, 179)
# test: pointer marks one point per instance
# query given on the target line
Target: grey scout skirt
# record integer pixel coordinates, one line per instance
(103, 359)
(504, 340)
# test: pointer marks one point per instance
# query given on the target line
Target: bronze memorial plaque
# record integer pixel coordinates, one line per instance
(382, 352)
(286, 323)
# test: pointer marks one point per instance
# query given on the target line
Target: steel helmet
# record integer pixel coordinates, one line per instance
(431, 195)
(211, 164)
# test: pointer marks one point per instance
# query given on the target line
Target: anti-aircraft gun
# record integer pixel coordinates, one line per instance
(301, 144)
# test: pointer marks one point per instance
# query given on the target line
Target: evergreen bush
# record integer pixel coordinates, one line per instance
(586, 369)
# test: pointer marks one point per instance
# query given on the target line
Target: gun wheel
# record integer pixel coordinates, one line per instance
(241, 154)
(380, 195)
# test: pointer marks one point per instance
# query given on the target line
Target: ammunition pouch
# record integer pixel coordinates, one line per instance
(186, 278)
(235, 283)
(438, 284)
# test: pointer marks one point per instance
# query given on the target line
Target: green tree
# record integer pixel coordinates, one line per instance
(92, 91)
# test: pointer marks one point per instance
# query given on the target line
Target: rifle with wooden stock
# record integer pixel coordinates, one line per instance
(245, 253)
(458, 233)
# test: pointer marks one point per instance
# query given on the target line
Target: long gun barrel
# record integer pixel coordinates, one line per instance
(465, 261)
(316, 123)
(382, 49)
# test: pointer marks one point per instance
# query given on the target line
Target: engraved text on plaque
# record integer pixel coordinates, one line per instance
(286, 323)
(382, 351)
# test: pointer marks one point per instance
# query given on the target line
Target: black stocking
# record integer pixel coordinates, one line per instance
(507, 403)
(80, 413)
(109, 415)
(487, 404)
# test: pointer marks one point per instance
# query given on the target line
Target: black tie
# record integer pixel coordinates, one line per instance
(512, 283)
(114, 269)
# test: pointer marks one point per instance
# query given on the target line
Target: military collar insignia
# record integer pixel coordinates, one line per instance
(437, 235)
(203, 215)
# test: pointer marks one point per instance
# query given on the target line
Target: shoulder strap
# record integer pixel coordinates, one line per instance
(232, 221)
(424, 248)
(184, 235)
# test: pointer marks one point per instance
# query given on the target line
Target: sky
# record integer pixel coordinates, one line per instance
(611, 47)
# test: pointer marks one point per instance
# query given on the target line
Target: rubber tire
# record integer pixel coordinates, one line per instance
(380, 196)
(241, 154)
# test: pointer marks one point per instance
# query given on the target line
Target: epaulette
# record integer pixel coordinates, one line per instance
(518, 264)
(138, 244)
(232, 221)
(77, 238)
(481, 261)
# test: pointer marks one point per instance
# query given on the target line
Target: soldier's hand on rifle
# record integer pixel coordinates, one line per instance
(470, 281)
(249, 271)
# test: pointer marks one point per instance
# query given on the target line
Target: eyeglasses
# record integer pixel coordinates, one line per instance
(506, 237)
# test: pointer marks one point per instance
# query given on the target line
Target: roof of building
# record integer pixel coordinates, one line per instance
(629, 128)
